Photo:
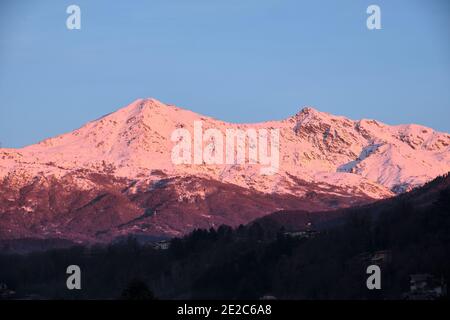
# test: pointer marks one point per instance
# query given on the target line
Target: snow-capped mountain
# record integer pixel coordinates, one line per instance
(117, 173)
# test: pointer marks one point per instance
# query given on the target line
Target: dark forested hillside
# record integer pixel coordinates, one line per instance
(260, 259)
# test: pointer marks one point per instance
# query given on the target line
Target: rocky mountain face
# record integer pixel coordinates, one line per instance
(115, 175)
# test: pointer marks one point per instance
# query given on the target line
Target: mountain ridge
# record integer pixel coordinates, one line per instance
(326, 162)
(136, 138)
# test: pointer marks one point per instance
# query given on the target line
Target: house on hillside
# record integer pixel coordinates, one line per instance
(302, 234)
(381, 257)
(5, 292)
(425, 286)
(161, 245)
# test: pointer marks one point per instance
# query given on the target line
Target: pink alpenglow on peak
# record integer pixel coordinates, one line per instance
(366, 156)
(108, 178)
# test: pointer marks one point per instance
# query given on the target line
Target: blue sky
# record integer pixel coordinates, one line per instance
(237, 60)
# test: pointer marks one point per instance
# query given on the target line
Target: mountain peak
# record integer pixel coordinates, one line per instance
(310, 113)
(147, 103)
(309, 110)
(137, 139)
(109, 173)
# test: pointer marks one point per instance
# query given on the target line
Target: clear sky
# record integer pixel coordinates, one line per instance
(237, 60)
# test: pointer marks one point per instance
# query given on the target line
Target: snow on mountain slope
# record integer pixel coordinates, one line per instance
(115, 176)
(365, 156)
